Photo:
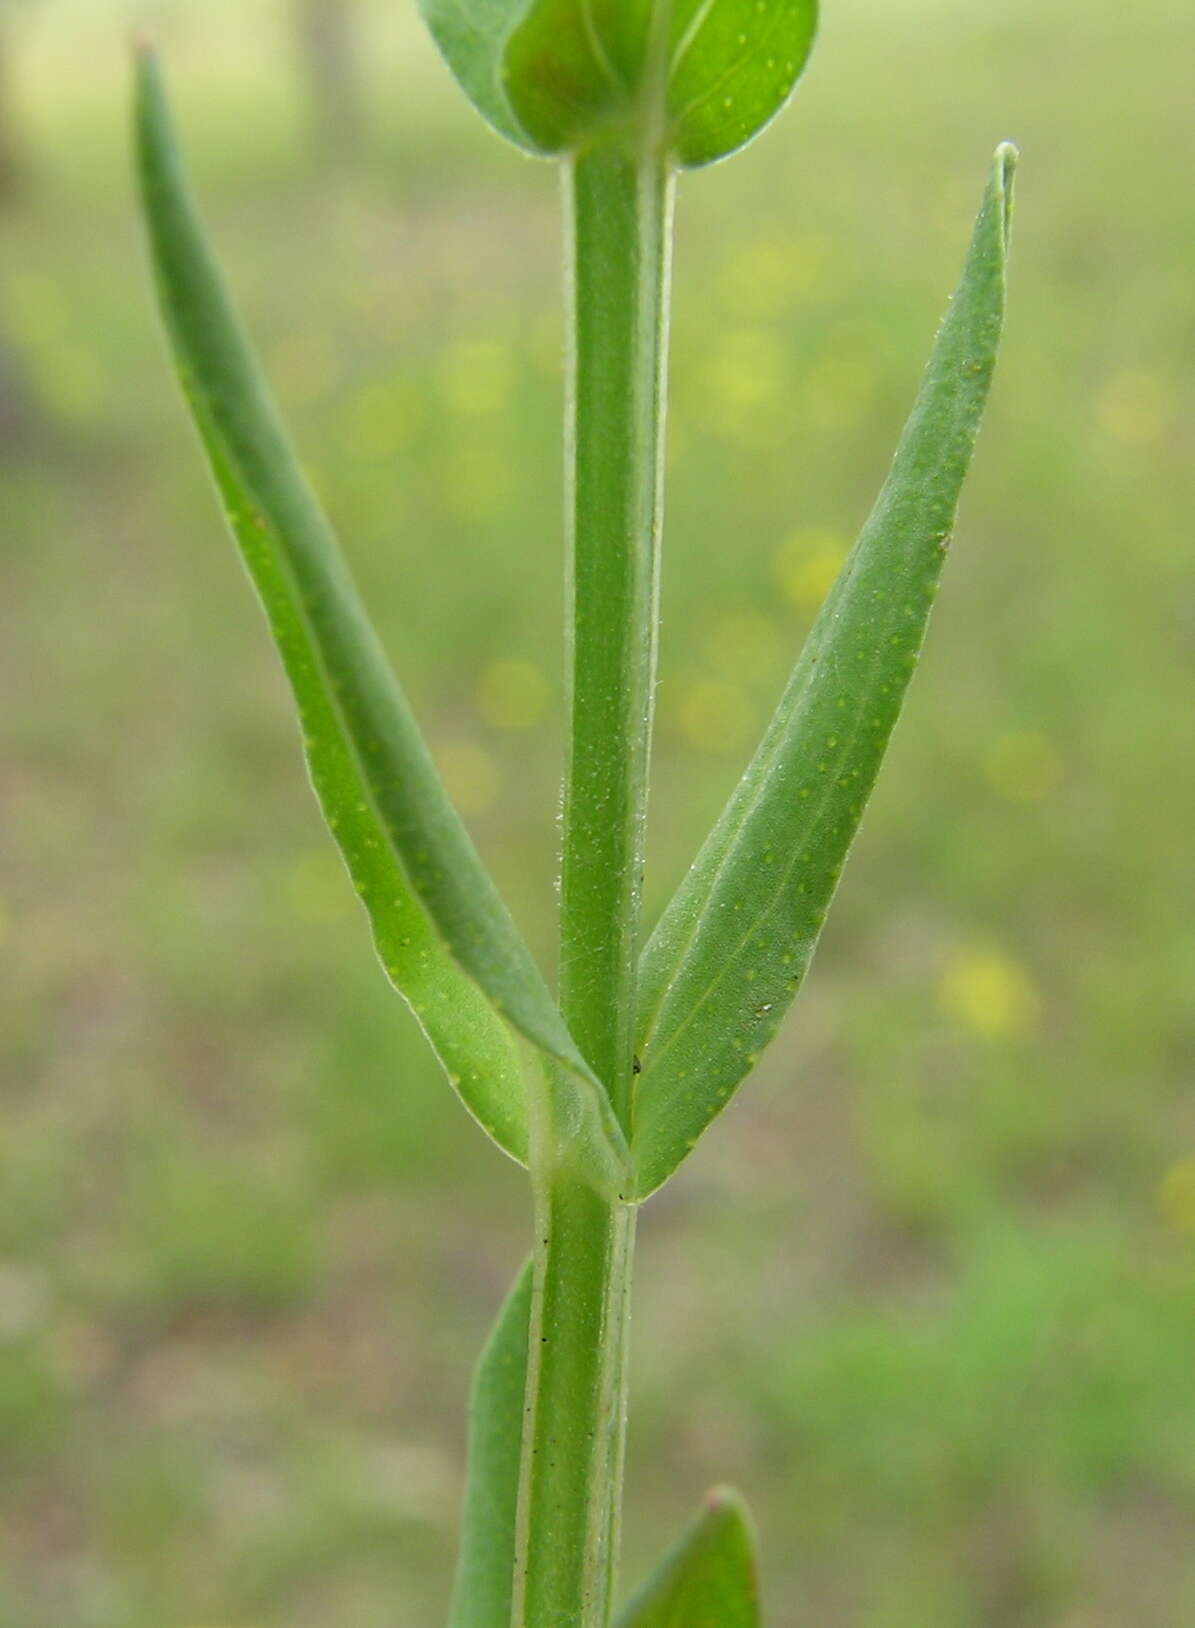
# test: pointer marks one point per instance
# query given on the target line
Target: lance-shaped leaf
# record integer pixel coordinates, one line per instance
(697, 78)
(443, 934)
(709, 1580)
(481, 1596)
(731, 949)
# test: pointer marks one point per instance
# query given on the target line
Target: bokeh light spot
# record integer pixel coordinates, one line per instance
(1136, 406)
(1022, 767)
(838, 391)
(471, 775)
(380, 419)
(988, 993)
(767, 276)
(476, 483)
(512, 694)
(807, 563)
(745, 647)
(1176, 1196)
(715, 716)
(476, 376)
(745, 370)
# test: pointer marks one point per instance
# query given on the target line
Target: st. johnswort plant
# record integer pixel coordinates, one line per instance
(601, 1090)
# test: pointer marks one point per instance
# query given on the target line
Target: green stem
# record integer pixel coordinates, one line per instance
(620, 204)
(571, 1481)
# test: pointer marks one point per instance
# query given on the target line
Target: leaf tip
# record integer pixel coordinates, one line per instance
(143, 49)
(725, 1507)
(1004, 168)
(147, 70)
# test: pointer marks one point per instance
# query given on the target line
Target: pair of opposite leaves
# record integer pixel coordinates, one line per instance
(699, 77)
(731, 949)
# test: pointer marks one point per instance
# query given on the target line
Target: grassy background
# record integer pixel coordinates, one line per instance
(928, 1293)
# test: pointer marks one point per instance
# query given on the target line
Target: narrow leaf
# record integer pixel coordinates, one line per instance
(443, 934)
(731, 949)
(709, 1580)
(482, 1592)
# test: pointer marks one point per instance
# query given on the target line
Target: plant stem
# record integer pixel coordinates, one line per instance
(571, 1483)
(620, 204)
(570, 1498)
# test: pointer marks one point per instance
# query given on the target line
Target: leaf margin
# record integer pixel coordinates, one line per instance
(663, 1600)
(657, 1150)
(267, 500)
(483, 1586)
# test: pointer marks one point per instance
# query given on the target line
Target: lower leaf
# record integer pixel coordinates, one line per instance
(481, 1596)
(710, 1579)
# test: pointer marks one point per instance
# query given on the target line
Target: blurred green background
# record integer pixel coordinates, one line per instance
(928, 1291)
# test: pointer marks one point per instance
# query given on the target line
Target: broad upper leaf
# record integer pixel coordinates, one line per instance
(481, 1596)
(709, 1580)
(472, 36)
(443, 934)
(697, 78)
(730, 951)
(734, 66)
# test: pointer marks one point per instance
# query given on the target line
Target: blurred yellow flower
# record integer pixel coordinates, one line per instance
(988, 993)
(1022, 766)
(476, 482)
(1136, 406)
(806, 564)
(476, 376)
(765, 277)
(470, 774)
(716, 717)
(745, 369)
(837, 391)
(745, 646)
(512, 694)
(380, 418)
(1176, 1195)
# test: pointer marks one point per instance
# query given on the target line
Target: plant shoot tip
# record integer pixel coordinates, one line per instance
(1007, 157)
